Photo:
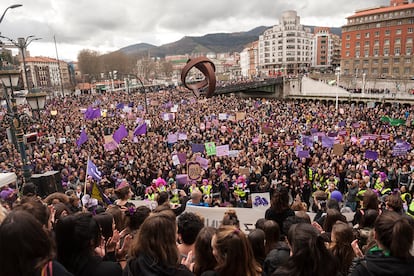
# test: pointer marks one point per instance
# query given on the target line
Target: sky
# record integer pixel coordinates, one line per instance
(106, 26)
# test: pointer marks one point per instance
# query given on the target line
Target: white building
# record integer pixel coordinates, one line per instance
(286, 47)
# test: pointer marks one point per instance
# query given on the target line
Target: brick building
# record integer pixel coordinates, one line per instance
(378, 42)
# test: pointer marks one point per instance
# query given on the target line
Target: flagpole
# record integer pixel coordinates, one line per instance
(86, 177)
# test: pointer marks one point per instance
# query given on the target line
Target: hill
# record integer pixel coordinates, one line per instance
(217, 43)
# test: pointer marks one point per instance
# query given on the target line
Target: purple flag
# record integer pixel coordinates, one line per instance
(399, 149)
(327, 142)
(303, 154)
(197, 148)
(369, 154)
(120, 106)
(141, 129)
(120, 134)
(307, 141)
(82, 138)
(332, 134)
(182, 156)
(91, 113)
(342, 133)
(93, 171)
(342, 124)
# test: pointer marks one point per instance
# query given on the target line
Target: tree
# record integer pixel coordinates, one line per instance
(166, 68)
(90, 63)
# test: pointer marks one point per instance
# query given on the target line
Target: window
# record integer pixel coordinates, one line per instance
(410, 30)
(398, 41)
(409, 40)
(408, 51)
(395, 70)
(407, 60)
(366, 62)
(358, 36)
(398, 32)
(375, 61)
(384, 70)
(377, 33)
(347, 53)
(357, 53)
(376, 43)
(366, 43)
(396, 60)
(407, 70)
(387, 32)
(397, 51)
(357, 44)
(376, 52)
(348, 37)
(386, 42)
(366, 53)
(366, 35)
(385, 61)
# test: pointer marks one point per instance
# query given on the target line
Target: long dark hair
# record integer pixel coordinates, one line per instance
(76, 238)
(204, 258)
(309, 254)
(395, 233)
(280, 200)
(342, 237)
(25, 245)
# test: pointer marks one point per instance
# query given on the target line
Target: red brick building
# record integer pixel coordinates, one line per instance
(378, 42)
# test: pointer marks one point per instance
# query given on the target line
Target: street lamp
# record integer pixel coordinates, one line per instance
(9, 7)
(36, 101)
(338, 74)
(10, 78)
(22, 43)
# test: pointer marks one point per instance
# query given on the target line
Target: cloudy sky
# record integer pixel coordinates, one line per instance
(105, 26)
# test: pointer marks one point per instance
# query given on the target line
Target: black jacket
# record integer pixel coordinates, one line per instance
(145, 266)
(377, 263)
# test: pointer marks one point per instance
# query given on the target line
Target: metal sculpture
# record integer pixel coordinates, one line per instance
(207, 67)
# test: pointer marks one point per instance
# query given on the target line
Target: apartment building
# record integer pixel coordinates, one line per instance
(249, 60)
(325, 49)
(43, 72)
(378, 42)
(286, 47)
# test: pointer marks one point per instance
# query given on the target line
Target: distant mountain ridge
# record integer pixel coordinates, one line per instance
(217, 43)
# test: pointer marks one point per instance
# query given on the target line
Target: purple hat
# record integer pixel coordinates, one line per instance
(382, 175)
(336, 195)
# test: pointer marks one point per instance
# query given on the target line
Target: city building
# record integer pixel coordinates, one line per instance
(378, 42)
(43, 72)
(249, 60)
(285, 48)
(325, 49)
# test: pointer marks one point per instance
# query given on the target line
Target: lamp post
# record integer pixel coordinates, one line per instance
(22, 43)
(363, 82)
(338, 73)
(36, 101)
(9, 7)
(10, 78)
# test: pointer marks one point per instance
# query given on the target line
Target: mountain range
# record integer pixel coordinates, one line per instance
(217, 43)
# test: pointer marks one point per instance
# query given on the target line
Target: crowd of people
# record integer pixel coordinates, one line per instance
(307, 155)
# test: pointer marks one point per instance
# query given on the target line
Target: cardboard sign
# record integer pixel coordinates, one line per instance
(194, 171)
(338, 149)
(240, 116)
(244, 171)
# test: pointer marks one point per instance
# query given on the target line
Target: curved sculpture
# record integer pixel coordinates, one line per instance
(206, 66)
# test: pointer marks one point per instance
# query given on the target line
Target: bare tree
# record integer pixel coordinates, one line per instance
(89, 63)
